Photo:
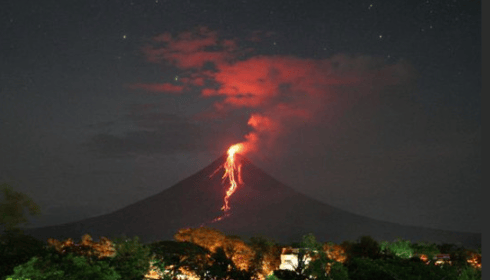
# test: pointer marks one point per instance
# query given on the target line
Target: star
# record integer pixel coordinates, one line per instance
(124, 36)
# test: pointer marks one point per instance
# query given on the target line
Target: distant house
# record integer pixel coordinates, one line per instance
(438, 259)
(289, 258)
(442, 259)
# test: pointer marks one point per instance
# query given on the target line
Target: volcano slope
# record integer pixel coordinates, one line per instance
(261, 206)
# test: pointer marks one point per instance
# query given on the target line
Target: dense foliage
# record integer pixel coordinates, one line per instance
(70, 266)
(258, 257)
(205, 253)
(132, 259)
(17, 248)
(126, 258)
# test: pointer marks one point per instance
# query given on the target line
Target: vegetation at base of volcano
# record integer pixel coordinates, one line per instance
(205, 253)
(125, 258)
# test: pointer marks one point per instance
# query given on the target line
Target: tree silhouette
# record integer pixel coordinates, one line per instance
(267, 256)
(235, 249)
(181, 257)
(223, 268)
(17, 248)
(365, 247)
(13, 205)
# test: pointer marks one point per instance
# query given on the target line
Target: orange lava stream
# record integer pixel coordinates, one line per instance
(232, 170)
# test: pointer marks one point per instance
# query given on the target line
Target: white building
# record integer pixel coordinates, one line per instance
(289, 258)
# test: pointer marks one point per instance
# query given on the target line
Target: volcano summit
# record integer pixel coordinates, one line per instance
(260, 205)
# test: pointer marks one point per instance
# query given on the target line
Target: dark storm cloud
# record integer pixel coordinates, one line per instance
(153, 133)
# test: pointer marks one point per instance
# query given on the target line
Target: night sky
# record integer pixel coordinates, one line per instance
(370, 106)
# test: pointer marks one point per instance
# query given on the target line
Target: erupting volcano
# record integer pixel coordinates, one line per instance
(264, 207)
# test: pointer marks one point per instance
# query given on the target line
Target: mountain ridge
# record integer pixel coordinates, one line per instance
(261, 206)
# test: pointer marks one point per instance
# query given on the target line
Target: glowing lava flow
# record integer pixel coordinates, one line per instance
(231, 167)
(233, 172)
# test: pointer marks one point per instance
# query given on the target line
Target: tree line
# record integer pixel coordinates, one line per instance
(206, 253)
